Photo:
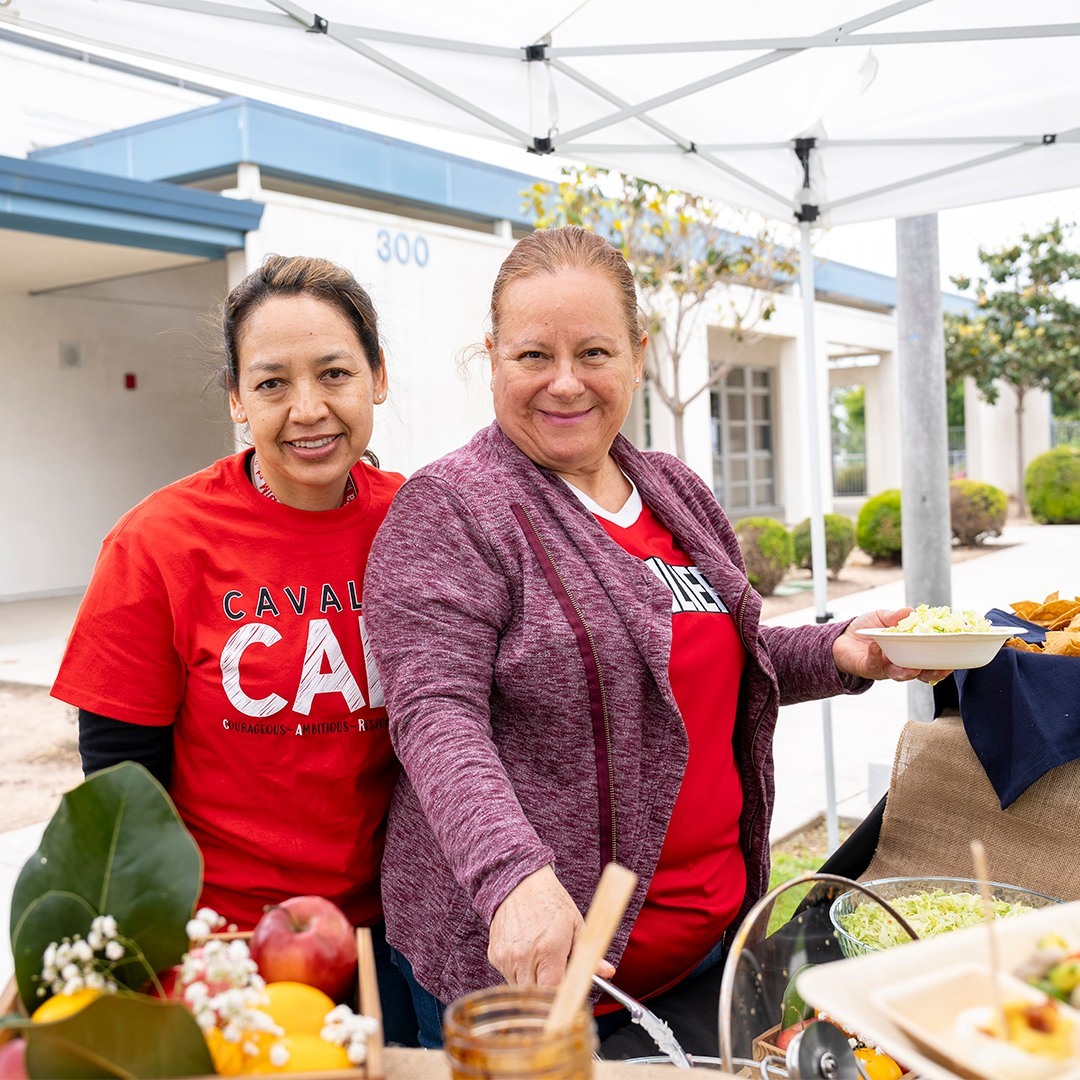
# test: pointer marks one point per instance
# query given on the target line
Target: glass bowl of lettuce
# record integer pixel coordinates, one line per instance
(930, 905)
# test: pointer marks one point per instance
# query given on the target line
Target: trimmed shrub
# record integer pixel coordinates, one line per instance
(877, 528)
(766, 549)
(1052, 485)
(977, 511)
(839, 540)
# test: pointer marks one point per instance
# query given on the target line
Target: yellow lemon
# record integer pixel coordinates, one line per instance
(300, 1053)
(61, 1005)
(297, 1008)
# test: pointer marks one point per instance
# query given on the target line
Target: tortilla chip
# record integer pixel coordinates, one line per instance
(1020, 645)
(1052, 597)
(1051, 613)
(1024, 608)
(1062, 643)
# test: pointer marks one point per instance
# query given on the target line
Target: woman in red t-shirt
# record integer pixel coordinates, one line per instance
(221, 642)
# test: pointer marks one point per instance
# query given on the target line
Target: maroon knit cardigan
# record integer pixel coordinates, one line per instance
(524, 659)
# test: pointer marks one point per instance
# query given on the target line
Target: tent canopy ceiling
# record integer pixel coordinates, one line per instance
(911, 107)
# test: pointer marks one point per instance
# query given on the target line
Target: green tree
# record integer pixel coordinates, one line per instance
(1025, 331)
(849, 419)
(685, 263)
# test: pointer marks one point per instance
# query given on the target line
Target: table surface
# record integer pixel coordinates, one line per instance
(400, 1064)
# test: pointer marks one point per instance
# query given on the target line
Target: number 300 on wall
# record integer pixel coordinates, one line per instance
(401, 247)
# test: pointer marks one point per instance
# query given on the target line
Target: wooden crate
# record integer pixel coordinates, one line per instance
(372, 1069)
(764, 1046)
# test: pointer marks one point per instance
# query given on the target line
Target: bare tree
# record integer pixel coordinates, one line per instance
(690, 257)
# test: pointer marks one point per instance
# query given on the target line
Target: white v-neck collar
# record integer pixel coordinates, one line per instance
(624, 517)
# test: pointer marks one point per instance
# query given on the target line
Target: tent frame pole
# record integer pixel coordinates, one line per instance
(817, 514)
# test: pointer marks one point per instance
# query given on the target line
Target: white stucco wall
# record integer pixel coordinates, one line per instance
(991, 435)
(80, 449)
(431, 294)
(48, 99)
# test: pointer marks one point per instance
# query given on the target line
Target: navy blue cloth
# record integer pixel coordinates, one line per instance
(1021, 711)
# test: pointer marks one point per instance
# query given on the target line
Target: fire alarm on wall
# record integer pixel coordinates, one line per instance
(129, 381)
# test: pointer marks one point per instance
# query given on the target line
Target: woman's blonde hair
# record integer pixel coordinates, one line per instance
(547, 251)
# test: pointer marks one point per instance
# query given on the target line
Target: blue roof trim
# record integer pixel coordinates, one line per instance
(292, 145)
(869, 287)
(59, 201)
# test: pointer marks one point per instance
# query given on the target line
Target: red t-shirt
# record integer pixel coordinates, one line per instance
(238, 620)
(700, 880)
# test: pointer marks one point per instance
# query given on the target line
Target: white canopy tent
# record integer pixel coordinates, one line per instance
(901, 109)
(825, 113)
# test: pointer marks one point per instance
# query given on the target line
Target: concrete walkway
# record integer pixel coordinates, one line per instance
(1027, 563)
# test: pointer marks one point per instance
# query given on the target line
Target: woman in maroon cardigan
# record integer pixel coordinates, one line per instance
(574, 668)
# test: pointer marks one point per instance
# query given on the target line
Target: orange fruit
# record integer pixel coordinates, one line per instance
(228, 1057)
(297, 1008)
(62, 1005)
(878, 1066)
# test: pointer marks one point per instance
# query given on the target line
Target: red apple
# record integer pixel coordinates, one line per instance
(13, 1060)
(173, 984)
(789, 1033)
(306, 939)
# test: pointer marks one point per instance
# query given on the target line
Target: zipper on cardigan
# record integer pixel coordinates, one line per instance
(599, 679)
(761, 712)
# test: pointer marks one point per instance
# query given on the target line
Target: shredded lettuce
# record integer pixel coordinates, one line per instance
(941, 620)
(928, 913)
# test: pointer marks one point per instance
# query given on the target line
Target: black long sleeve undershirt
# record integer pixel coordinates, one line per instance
(104, 742)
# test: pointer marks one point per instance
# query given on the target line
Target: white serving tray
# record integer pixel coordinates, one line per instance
(845, 989)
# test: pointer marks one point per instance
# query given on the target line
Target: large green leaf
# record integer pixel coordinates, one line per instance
(118, 1036)
(117, 842)
(37, 924)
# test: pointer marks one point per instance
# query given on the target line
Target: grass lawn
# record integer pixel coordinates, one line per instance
(800, 853)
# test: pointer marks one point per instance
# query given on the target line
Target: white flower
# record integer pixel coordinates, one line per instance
(70, 971)
(344, 1028)
(279, 1055)
(81, 951)
(197, 930)
(114, 950)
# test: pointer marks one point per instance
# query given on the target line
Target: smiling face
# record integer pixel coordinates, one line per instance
(564, 370)
(305, 388)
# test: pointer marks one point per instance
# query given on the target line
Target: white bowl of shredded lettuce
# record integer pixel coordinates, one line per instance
(931, 905)
(939, 638)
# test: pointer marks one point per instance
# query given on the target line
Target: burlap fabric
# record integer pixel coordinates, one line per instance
(940, 800)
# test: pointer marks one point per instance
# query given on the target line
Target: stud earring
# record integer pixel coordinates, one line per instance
(241, 416)
(637, 379)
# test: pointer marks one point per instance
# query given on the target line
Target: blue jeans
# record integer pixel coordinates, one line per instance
(399, 1019)
(427, 1008)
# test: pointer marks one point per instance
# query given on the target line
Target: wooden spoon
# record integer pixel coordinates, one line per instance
(982, 873)
(601, 921)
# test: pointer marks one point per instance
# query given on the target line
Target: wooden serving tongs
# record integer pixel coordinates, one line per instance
(601, 921)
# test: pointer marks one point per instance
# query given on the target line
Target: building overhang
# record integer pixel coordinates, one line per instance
(199, 146)
(41, 197)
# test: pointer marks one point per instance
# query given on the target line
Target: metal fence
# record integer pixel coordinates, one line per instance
(849, 469)
(957, 453)
(1065, 432)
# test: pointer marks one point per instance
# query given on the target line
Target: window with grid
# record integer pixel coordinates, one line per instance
(742, 428)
